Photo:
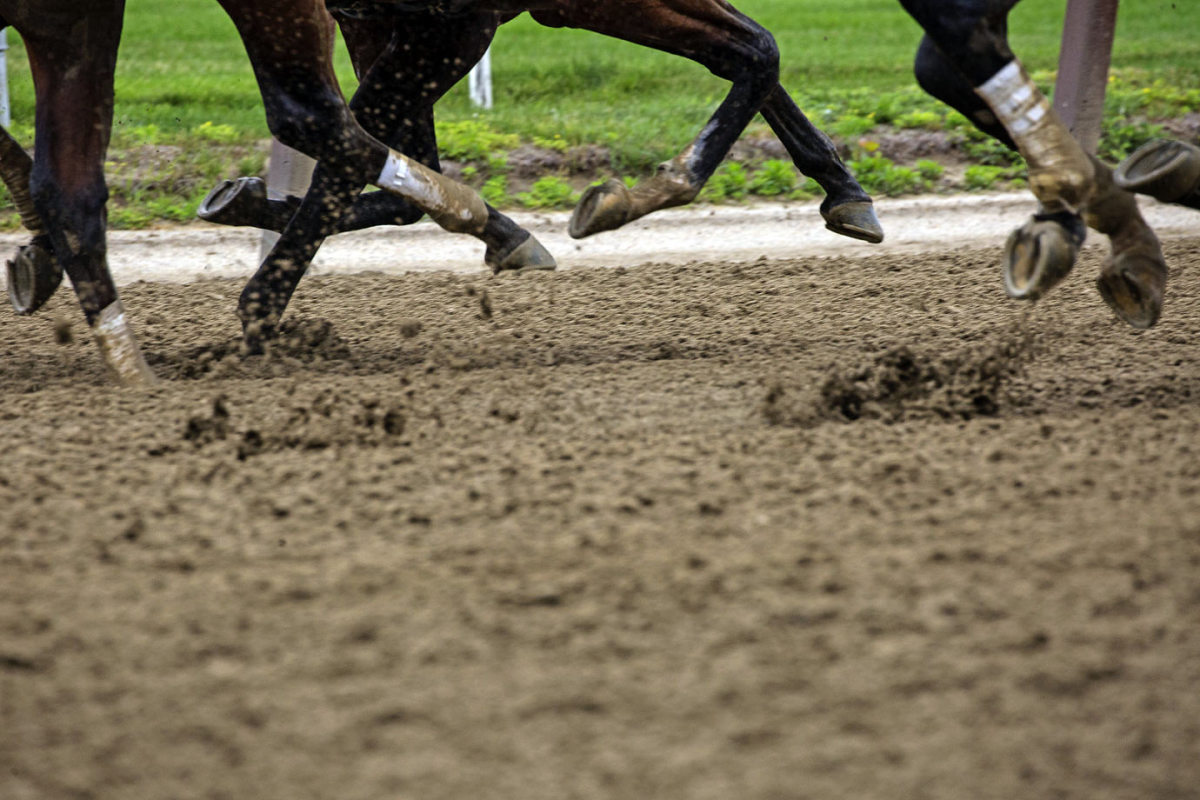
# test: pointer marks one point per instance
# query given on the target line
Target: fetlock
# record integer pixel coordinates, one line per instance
(1133, 279)
(672, 185)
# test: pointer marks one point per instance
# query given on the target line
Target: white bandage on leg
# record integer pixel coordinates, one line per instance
(1060, 173)
(449, 203)
(118, 347)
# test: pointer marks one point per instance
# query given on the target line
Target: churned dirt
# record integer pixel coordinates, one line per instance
(780, 528)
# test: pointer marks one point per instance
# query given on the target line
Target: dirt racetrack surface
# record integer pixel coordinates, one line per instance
(781, 528)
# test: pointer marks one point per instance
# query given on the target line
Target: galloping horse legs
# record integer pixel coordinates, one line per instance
(72, 64)
(404, 69)
(971, 34)
(847, 209)
(425, 56)
(1133, 278)
(736, 48)
(289, 43)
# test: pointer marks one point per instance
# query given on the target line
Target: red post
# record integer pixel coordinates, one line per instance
(1083, 67)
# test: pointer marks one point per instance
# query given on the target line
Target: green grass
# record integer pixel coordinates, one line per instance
(185, 89)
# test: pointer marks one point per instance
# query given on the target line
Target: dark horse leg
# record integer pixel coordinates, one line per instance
(72, 55)
(405, 61)
(736, 48)
(1132, 279)
(33, 274)
(424, 56)
(1167, 170)
(967, 46)
(290, 44)
(708, 31)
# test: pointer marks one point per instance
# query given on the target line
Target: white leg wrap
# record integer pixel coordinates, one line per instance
(1014, 99)
(118, 347)
(452, 205)
(1060, 173)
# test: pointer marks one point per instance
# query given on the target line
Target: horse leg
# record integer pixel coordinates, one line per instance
(847, 209)
(1133, 278)
(73, 81)
(1167, 170)
(715, 35)
(971, 34)
(427, 54)
(402, 74)
(306, 111)
(33, 274)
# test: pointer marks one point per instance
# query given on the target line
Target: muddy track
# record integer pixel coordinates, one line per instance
(763, 528)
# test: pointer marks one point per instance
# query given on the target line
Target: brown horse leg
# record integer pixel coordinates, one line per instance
(289, 43)
(425, 56)
(402, 74)
(1134, 277)
(74, 89)
(1167, 170)
(33, 274)
(710, 32)
(971, 35)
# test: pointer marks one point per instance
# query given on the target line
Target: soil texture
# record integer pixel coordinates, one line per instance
(828, 527)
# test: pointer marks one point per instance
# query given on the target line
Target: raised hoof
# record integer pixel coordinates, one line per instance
(33, 278)
(602, 208)
(236, 202)
(1133, 285)
(1037, 256)
(529, 255)
(1166, 170)
(856, 220)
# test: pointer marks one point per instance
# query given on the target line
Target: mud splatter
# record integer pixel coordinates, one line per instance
(908, 383)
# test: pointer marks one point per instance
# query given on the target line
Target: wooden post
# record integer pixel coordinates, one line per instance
(1083, 67)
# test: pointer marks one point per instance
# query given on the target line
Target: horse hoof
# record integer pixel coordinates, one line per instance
(33, 277)
(237, 202)
(1038, 255)
(1133, 285)
(604, 207)
(1166, 170)
(856, 220)
(256, 334)
(529, 255)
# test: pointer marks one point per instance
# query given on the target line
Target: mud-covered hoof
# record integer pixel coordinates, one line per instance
(33, 278)
(604, 207)
(856, 220)
(527, 256)
(237, 202)
(1037, 256)
(1164, 169)
(256, 335)
(1133, 284)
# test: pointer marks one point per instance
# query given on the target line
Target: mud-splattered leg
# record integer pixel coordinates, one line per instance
(1167, 170)
(33, 274)
(1133, 278)
(731, 46)
(74, 89)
